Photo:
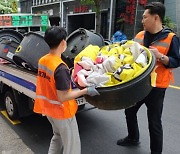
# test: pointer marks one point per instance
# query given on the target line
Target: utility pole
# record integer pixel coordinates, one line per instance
(110, 20)
(137, 2)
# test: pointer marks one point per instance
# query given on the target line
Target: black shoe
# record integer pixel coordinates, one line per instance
(128, 142)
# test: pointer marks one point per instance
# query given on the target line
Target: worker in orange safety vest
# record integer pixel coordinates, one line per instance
(54, 96)
(165, 46)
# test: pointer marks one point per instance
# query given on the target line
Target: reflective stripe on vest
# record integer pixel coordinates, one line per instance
(50, 101)
(42, 67)
(163, 76)
(47, 101)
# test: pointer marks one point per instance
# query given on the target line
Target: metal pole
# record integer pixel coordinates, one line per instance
(110, 19)
(60, 12)
(135, 17)
(33, 5)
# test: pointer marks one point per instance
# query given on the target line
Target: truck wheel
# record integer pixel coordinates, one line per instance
(11, 105)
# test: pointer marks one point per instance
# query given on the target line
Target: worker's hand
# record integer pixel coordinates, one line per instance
(155, 51)
(91, 91)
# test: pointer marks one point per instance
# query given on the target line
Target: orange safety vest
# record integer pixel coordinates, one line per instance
(163, 75)
(46, 101)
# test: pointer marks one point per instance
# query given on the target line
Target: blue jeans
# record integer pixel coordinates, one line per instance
(154, 103)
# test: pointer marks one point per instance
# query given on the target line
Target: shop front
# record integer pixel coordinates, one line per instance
(128, 16)
(75, 15)
(115, 15)
(72, 14)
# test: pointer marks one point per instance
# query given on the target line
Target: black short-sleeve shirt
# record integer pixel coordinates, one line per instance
(62, 77)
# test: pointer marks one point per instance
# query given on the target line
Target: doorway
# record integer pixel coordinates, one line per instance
(76, 21)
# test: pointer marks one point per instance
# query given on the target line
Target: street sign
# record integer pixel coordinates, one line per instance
(23, 20)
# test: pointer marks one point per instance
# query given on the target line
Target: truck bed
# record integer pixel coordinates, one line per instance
(20, 79)
(23, 80)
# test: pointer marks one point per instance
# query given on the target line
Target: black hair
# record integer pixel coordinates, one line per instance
(54, 35)
(156, 8)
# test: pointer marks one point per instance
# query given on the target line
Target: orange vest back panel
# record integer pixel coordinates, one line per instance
(46, 101)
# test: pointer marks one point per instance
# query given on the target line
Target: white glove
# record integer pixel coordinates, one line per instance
(91, 91)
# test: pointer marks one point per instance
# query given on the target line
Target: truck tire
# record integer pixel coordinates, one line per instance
(11, 105)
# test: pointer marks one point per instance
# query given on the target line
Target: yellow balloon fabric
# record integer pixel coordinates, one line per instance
(90, 51)
(121, 62)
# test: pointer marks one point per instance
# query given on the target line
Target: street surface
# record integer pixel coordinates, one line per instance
(99, 130)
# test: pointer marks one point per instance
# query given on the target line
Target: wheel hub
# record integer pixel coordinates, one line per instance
(9, 106)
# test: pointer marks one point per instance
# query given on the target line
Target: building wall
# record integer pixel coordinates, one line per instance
(26, 6)
(129, 16)
(178, 17)
(53, 9)
(172, 11)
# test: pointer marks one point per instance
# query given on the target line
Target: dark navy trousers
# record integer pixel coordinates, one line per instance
(154, 103)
